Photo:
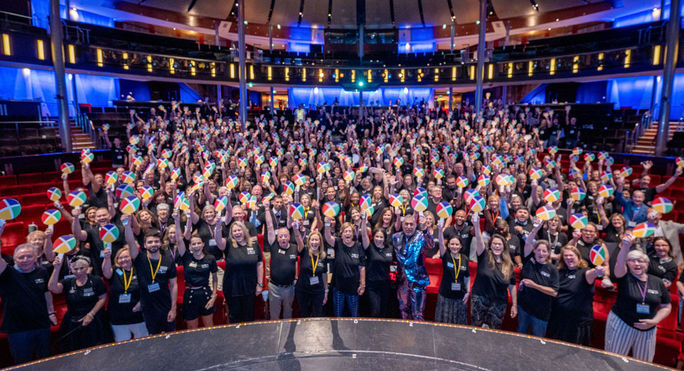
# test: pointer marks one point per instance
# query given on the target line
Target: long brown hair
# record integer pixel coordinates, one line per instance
(321, 250)
(507, 263)
(561, 262)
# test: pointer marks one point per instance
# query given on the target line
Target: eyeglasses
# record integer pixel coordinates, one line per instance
(587, 231)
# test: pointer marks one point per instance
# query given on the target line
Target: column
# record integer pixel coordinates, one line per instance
(672, 34)
(480, 56)
(243, 67)
(56, 38)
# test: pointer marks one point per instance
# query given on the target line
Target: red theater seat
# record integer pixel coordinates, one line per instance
(14, 234)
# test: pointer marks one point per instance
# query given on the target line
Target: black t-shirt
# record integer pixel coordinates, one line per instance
(628, 306)
(514, 246)
(612, 234)
(451, 287)
(23, 300)
(346, 267)
(533, 301)
(557, 241)
(378, 265)
(98, 199)
(206, 233)
(97, 246)
(197, 271)
(574, 302)
(283, 264)
(121, 301)
(81, 299)
(155, 295)
(665, 268)
(490, 281)
(464, 234)
(118, 156)
(240, 278)
(306, 281)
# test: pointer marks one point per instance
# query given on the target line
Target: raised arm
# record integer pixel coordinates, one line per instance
(298, 237)
(107, 270)
(529, 241)
(270, 231)
(440, 236)
(365, 241)
(54, 285)
(130, 237)
(80, 234)
(479, 243)
(621, 262)
(662, 187)
(329, 239)
(180, 243)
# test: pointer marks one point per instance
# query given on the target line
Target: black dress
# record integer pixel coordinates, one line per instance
(81, 300)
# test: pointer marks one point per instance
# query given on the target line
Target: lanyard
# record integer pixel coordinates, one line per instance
(127, 284)
(306, 213)
(314, 265)
(154, 274)
(456, 272)
(403, 210)
(643, 292)
(495, 216)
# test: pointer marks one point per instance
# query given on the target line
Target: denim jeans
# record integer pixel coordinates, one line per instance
(339, 300)
(529, 324)
(29, 345)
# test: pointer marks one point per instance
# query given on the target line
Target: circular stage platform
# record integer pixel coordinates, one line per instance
(341, 344)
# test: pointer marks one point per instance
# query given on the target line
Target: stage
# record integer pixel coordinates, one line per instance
(341, 344)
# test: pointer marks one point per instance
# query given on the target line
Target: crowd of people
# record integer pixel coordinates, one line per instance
(350, 210)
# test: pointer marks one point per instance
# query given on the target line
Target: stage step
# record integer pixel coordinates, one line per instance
(647, 141)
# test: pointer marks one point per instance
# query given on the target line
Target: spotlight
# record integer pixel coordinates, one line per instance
(535, 6)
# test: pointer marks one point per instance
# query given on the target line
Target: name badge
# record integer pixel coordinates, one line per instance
(313, 281)
(192, 265)
(599, 227)
(101, 253)
(389, 254)
(643, 309)
(212, 242)
(153, 287)
(281, 251)
(393, 268)
(250, 251)
(163, 269)
(631, 224)
(293, 257)
(331, 252)
(305, 222)
(455, 286)
(124, 298)
(450, 265)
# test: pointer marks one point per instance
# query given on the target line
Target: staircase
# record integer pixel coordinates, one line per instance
(79, 139)
(647, 141)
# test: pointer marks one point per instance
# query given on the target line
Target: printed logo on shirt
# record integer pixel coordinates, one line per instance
(354, 256)
(653, 292)
(293, 256)
(389, 254)
(163, 269)
(545, 274)
(571, 276)
(39, 281)
(250, 251)
(88, 292)
(204, 266)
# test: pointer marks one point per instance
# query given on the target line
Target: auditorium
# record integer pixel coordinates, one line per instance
(341, 184)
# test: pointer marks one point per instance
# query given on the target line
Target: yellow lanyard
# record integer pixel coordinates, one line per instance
(127, 284)
(154, 274)
(456, 272)
(314, 264)
(403, 210)
(306, 213)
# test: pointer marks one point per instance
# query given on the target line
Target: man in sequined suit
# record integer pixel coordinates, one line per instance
(410, 246)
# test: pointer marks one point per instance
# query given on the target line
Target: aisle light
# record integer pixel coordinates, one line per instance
(193, 70)
(530, 68)
(172, 69)
(304, 74)
(125, 58)
(321, 75)
(436, 74)
(213, 69)
(6, 49)
(600, 58)
(251, 72)
(575, 64)
(628, 58)
(353, 75)
(337, 75)
(386, 76)
(40, 48)
(402, 75)
(510, 70)
(149, 63)
(490, 71)
(72, 55)
(420, 74)
(552, 67)
(232, 71)
(370, 75)
(100, 58)
(471, 72)
(656, 55)
(287, 73)
(453, 73)
(269, 73)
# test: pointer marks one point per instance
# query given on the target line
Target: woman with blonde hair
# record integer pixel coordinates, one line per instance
(123, 305)
(572, 312)
(311, 289)
(349, 269)
(244, 274)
